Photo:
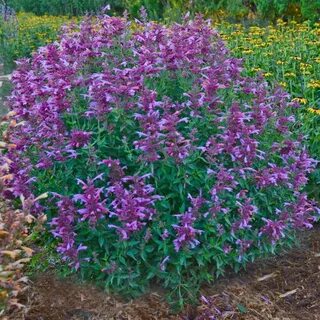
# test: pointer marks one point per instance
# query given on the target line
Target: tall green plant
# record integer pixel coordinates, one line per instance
(310, 9)
(271, 8)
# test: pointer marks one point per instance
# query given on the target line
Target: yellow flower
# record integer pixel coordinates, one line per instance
(281, 23)
(283, 84)
(256, 69)
(300, 100)
(314, 111)
(314, 84)
(305, 66)
(290, 74)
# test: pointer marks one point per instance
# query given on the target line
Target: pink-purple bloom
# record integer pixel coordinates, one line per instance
(79, 138)
(186, 233)
(133, 204)
(274, 230)
(63, 228)
(94, 207)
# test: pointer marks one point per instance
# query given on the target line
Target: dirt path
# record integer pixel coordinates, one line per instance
(286, 287)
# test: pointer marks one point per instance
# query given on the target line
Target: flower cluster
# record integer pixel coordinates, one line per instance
(94, 209)
(63, 228)
(133, 204)
(186, 234)
(181, 160)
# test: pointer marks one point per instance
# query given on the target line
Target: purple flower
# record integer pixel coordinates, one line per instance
(133, 204)
(111, 268)
(282, 123)
(213, 148)
(94, 208)
(274, 230)
(243, 247)
(63, 228)
(44, 162)
(175, 144)
(273, 176)
(186, 233)
(225, 181)
(304, 212)
(246, 211)
(227, 249)
(79, 138)
(116, 172)
(165, 234)
(303, 163)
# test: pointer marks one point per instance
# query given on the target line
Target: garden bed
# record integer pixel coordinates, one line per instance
(283, 287)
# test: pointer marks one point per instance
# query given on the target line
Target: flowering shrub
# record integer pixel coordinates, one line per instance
(164, 163)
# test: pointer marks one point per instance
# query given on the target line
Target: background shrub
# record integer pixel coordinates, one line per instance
(310, 9)
(164, 163)
(173, 9)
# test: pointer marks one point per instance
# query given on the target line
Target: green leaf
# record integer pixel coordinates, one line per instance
(242, 308)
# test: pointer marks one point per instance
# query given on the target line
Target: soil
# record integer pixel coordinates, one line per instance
(285, 287)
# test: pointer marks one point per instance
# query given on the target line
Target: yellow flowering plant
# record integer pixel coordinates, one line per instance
(23, 34)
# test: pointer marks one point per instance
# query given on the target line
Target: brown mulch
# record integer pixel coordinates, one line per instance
(285, 287)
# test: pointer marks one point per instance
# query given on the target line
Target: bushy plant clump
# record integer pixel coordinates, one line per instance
(170, 10)
(163, 162)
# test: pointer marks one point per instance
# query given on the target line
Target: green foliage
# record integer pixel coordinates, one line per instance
(270, 8)
(310, 9)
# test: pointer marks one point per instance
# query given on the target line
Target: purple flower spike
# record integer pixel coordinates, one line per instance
(63, 228)
(133, 205)
(274, 230)
(186, 233)
(94, 208)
